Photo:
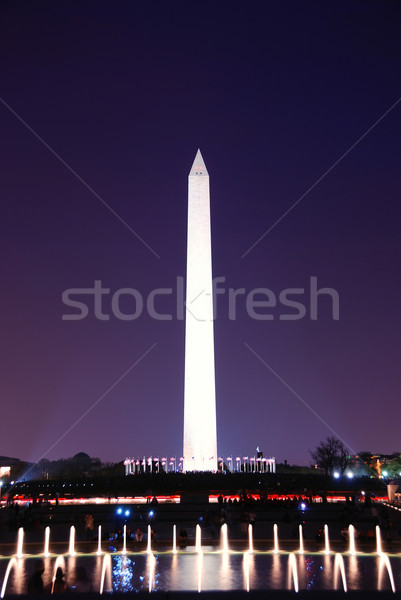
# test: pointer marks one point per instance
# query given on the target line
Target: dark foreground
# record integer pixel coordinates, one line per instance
(237, 595)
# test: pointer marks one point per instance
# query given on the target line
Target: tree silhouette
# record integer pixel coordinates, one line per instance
(331, 454)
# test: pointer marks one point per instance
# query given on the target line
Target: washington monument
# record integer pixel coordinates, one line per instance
(200, 437)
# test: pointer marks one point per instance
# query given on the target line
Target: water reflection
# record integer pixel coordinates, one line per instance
(275, 580)
(200, 570)
(123, 574)
(214, 570)
(354, 572)
(385, 565)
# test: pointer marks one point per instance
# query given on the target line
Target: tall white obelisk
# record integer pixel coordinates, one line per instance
(200, 436)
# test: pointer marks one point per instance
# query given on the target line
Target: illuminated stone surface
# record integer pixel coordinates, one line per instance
(200, 437)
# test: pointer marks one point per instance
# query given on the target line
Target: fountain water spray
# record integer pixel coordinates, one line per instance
(326, 540)
(301, 540)
(60, 562)
(99, 540)
(224, 538)
(381, 560)
(379, 549)
(106, 568)
(250, 538)
(71, 549)
(174, 539)
(12, 563)
(149, 548)
(351, 534)
(47, 540)
(198, 540)
(293, 570)
(385, 561)
(339, 566)
(20, 542)
(124, 550)
(275, 535)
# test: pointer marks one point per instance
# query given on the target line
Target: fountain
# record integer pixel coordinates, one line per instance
(378, 541)
(99, 540)
(149, 547)
(60, 562)
(205, 567)
(124, 550)
(174, 539)
(326, 540)
(275, 536)
(12, 563)
(250, 539)
(152, 570)
(293, 570)
(106, 569)
(385, 562)
(198, 540)
(224, 538)
(20, 542)
(351, 535)
(301, 541)
(339, 567)
(72, 541)
(47, 541)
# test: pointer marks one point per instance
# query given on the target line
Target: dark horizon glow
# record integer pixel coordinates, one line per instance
(273, 95)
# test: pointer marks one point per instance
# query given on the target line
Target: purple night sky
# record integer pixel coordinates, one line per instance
(273, 94)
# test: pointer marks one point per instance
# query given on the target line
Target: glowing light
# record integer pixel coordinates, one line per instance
(12, 564)
(106, 569)
(20, 542)
(47, 539)
(339, 567)
(292, 563)
(250, 539)
(275, 535)
(224, 538)
(200, 437)
(326, 540)
(301, 540)
(351, 534)
(71, 549)
(336, 475)
(99, 540)
(174, 539)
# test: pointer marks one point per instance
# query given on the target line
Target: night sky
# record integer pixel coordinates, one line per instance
(274, 94)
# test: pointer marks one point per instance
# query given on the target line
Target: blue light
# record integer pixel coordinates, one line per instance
(151, 513)
(303, 506)
(119, 511)
(127, 513)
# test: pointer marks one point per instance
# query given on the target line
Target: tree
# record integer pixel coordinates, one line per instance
(330, 455)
